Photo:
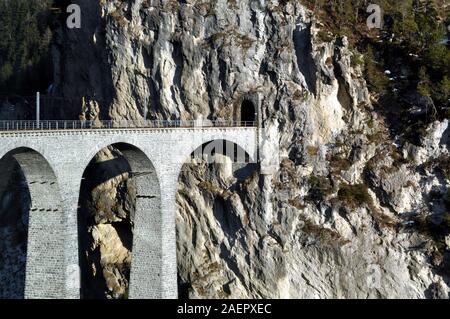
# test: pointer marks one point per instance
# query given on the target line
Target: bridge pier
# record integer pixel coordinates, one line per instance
(53, 262)
(146, 278)
(169, 183)
(72, 276)
(44, 276)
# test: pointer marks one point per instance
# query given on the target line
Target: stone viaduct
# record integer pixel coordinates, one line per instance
(53, 163)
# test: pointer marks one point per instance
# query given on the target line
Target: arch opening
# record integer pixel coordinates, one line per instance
(29, 201)
(212, 187)
(218, 150)
(118, 208)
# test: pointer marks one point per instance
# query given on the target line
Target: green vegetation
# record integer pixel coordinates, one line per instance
(435, 232)
(436, 229)
(339, 163)
(325, 236)
(312, 150)
(320, 188)
(411, 45)
(354, 196)
(376, 78)
(439, 165)
(25, 61)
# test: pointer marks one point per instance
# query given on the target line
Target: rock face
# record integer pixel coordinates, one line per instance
(348, 212)
(107, 202)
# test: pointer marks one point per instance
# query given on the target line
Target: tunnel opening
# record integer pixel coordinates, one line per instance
(210, 185)
(248, 113)
(112, 207)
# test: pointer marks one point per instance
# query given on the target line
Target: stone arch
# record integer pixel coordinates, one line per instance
(134, 171)
(235, 158)
(230, 149)
(212, 143)
(41, 274)
(191, 218)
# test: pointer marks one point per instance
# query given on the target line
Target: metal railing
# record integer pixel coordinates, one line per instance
(128, 124)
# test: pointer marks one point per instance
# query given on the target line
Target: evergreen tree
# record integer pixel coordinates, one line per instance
(25, 62)
(423, 87)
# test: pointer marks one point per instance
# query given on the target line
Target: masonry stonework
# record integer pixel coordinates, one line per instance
(54, 162)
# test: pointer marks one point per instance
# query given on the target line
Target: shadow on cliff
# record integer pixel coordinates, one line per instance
(85, 65)
(305, 60)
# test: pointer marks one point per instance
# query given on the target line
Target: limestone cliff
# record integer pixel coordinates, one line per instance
(351, 210)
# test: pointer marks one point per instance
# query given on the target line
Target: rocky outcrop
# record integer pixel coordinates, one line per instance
(349, 210)
(107, 205)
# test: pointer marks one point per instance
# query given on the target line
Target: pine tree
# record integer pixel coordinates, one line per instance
(24, 45)
(423, 87)
(443, 91)
(376, 79)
